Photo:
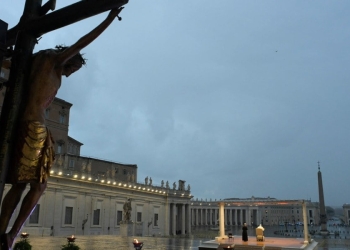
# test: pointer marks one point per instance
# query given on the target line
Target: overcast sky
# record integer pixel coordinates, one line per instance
(237, 98)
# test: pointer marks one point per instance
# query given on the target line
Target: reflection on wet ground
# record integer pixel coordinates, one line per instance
(105, 242)
(93, 242)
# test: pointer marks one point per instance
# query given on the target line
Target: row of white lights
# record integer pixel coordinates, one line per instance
(228, 204)
(115, 183)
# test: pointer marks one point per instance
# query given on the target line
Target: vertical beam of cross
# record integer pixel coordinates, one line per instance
(15, 92)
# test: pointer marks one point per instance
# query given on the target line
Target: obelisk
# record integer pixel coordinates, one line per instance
(323, 215)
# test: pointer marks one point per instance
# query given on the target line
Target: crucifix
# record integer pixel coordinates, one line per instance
(32, 86)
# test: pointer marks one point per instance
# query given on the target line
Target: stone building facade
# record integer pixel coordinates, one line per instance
(72, 205)
(346, 210)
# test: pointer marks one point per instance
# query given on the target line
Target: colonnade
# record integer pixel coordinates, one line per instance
(209, 216)
(179, 219)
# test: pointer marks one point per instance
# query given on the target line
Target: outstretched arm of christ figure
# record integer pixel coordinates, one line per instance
(74, 49)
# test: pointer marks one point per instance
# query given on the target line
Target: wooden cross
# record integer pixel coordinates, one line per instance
(34, 23)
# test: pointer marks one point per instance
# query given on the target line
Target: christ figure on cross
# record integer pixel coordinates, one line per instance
(34, 151)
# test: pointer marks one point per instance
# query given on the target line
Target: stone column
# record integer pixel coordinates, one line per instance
(167, 219)
(189, 226)
(192, 217)
(206, 216)
(222, 219)
(174, 219)
(183, 220)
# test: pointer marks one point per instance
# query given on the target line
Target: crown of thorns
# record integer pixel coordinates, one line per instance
(79, 55)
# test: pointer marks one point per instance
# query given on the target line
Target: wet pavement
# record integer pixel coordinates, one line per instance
(106, 242)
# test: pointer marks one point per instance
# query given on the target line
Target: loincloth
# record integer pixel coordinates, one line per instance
(34, 154)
